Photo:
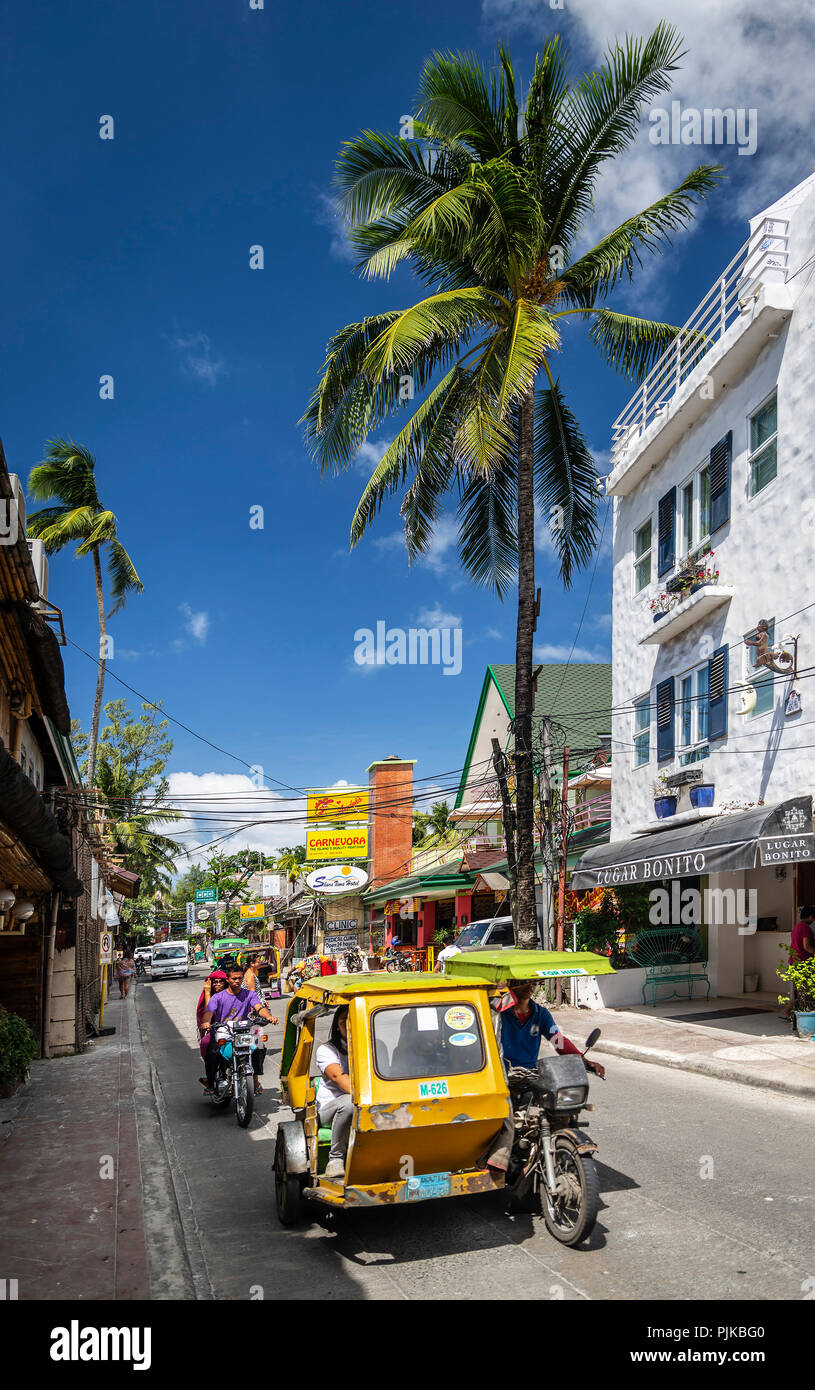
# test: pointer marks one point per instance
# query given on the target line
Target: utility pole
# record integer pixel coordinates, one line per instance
(561, 885)
(547, 837)
(499, 762)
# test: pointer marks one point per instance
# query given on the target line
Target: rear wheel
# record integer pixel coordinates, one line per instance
(287, 1187)
(570, 1215)
(245, 1103)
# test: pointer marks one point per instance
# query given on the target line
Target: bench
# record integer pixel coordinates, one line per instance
(668, 956)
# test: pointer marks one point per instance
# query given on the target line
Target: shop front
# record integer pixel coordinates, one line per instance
(738, 880)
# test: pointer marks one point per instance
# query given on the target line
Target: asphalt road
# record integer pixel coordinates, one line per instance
(707, 1193)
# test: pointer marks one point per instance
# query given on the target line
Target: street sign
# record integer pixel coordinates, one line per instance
(253, 910)
(206, 895)
(190, 912)
(106, 948)
(329, 844)
(337, 878)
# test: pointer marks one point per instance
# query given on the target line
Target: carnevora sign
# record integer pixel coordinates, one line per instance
(337, 844)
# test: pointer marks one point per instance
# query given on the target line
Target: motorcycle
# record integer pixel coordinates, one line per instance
(352, 963)
(141, 968)
(394, 960)
(235, 1041)
(551, 1167)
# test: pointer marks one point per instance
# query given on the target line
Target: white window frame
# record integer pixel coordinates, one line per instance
(699, 745)
(683, 549)
(753, 454)
(648, 554)
(644, 732)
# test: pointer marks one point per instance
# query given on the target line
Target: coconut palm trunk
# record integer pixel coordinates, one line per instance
(526, 925)
(100, 678)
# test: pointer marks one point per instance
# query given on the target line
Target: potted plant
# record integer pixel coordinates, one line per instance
(661, 605)
(18, 1048)
(801, 975)
(664, 799)
(701, 795)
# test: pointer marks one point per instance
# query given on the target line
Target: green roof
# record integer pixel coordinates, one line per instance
(576, 696)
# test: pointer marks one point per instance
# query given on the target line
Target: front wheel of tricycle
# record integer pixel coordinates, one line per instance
(287, 1187)
(571, 1214)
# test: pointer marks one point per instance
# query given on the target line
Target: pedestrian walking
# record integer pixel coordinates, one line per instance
(125, 971)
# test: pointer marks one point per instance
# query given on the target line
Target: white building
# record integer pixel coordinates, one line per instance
(715, 453)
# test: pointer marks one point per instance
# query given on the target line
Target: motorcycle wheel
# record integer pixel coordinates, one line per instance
(571, 1216)
(245, 1103)
(222, 1091)
(287, 1187)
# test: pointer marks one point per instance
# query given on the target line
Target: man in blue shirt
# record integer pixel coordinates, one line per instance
(523, 1026)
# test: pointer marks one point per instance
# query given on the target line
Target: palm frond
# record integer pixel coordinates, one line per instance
(446, 319)
(565, 481)
(66, 473)
(122, 574)
(630, 345)
(456, 100)
(487, 537)
(70, 525)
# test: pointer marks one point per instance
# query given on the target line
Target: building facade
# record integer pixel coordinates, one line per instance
(713, 616)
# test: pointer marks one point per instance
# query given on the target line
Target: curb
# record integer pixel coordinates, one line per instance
(174, 1239)
(704, 1067)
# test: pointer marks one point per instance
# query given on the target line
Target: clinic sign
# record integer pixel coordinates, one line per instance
(350, 843)
(339, 804)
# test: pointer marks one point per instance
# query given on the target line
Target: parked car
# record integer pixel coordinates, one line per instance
(169, 959)
(488, 931)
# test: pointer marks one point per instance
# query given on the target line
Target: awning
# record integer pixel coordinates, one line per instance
(764, 835)
(25, 813)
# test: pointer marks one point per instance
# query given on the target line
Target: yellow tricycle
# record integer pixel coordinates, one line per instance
(431, 1110)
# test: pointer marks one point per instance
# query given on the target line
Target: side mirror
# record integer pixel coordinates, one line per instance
(593, 1037)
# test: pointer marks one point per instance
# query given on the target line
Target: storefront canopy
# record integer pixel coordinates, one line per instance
(764, 835)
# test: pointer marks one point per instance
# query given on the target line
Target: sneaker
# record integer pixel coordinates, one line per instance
(334, 1169)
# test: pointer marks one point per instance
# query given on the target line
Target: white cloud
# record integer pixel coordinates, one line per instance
(445, 537)
(329, 215)
(196, 357)
(220, 803)
(437, 617)
(370, 454)
(197, 624)
(549, 651)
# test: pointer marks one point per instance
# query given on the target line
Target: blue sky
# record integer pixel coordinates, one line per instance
(131, 257)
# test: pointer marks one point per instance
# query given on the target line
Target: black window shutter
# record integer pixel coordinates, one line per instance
(666, 523)
(665, 720)
(720, 460)
(717, 694)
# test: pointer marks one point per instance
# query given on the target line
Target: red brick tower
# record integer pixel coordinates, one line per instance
(391, 840)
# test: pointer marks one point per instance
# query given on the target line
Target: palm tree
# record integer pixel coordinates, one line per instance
(67, 474)
(488, 203)
(133, 815)
(290, 862)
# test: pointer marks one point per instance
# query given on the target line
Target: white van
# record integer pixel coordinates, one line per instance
(170, 958)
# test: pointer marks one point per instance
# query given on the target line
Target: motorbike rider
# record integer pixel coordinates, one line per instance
(523, 1025)
(230, 1006)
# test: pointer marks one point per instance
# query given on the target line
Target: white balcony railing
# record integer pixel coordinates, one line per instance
(761, 260)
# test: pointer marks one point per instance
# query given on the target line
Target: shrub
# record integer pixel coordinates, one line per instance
(18, 1048)
(801, 974)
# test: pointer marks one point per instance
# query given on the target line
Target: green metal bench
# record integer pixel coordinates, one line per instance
(668, 956)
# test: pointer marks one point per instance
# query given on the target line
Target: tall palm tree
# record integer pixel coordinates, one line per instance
(134, 813)
(67, 473)
(488, 203)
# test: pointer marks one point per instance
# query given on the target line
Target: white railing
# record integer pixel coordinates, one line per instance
(761, 260)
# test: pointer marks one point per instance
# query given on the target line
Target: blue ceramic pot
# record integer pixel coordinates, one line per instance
(702, 795)
(805, 1025)
(665, 806)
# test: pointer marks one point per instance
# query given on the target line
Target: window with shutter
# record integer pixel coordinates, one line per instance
(720, 459)
(666, 522)
(665, 720)
(717, 694)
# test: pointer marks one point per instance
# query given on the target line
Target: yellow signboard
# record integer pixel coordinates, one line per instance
(350, 843)
(339, 804)
(252, 910)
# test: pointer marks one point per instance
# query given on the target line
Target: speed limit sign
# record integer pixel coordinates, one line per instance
(106, 948)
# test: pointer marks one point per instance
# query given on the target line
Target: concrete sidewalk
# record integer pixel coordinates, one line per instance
(83, 1129)
(756, 1049)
